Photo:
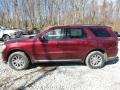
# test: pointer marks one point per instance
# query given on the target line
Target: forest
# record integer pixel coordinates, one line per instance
(28, 14)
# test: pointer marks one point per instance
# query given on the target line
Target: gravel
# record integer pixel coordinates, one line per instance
(73, 76)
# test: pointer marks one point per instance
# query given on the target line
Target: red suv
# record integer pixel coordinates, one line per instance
(90, 44)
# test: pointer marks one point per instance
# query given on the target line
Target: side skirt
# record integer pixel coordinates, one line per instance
(59, 60)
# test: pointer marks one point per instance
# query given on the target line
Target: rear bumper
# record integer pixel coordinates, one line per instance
(112, 58)
(112, 52)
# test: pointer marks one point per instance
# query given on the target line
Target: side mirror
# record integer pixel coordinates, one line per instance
(43, 39)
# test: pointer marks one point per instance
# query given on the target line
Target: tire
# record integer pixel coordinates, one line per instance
(6, 37)
(18, 61)
(95, 60)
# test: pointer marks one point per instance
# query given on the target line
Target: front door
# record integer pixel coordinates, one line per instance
(49, 48)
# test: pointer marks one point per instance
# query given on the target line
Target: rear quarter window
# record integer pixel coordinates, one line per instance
(100, 32)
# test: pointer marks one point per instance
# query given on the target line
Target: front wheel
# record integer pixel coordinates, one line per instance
(18, 61)
(6, 38)
(95, 60)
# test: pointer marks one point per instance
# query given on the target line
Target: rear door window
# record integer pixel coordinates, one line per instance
(100, 32)
(75, 33)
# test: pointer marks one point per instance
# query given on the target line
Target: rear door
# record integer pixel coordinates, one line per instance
(74, 44)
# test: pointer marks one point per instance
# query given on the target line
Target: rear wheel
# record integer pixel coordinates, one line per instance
(95, 60)
(18, 61)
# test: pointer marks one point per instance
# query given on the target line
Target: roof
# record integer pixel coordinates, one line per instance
(77, 25)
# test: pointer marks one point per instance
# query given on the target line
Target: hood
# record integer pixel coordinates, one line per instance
(20, 40)
(9, 30)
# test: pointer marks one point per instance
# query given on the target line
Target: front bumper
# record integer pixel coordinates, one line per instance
(4, 55)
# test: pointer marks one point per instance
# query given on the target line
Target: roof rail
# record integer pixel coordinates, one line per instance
(85, 25)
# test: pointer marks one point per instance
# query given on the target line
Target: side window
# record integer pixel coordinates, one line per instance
(55, 34)
(75, 33)
(100, 32)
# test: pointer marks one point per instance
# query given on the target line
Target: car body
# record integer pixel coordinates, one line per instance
(7, 34)
(92, 44)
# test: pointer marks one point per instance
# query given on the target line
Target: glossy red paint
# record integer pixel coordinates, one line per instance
(38, 49)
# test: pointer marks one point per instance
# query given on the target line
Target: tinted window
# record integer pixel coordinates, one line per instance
(75, 33)
(100, 32)
(54, 34)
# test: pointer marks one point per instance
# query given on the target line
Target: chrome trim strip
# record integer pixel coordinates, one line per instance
(58, 60)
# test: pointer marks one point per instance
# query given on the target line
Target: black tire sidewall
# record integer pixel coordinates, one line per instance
(94, 53)
(25, 59)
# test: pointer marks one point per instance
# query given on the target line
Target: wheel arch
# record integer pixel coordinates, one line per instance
(16, 50)
(4, 35)
(96, 49)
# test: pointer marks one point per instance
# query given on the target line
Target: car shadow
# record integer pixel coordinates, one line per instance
(56, 63)
(112, 61)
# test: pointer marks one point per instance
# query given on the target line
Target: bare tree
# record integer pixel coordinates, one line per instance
(40, 13)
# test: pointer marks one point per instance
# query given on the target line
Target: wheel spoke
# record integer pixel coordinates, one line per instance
(18, 61)
(96, 60)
